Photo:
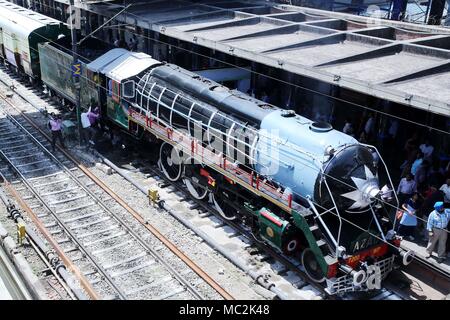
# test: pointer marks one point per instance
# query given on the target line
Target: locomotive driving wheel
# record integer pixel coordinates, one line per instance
(312, 267)
(224, 209)
(170, 161)
(191, 180)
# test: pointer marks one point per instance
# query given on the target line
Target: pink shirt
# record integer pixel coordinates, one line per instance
(55, 124)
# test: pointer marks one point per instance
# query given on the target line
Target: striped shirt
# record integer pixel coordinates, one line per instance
(438, 220)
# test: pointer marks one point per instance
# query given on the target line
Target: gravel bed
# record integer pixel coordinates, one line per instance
(224, 272)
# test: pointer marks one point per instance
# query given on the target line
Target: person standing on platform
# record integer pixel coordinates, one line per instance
(406, 188)
(54, 124)
(408, 222)
(369, 127)
(427, 150)
(445, 188)
(348, 128)
(421, 175)
(437, 230)
(416, 164)
(411, 148)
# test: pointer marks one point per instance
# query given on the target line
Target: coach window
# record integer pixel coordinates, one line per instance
(128, 89)
(92, 78)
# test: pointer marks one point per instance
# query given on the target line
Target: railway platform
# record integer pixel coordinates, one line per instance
(419, 248)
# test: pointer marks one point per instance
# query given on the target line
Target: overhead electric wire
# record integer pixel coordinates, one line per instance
(323, 208)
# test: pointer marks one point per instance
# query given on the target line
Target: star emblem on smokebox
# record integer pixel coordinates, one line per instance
(365, 190)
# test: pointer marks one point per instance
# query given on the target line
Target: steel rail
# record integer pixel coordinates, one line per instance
(256, 242)
(52, 269)
(289, 264)
(150, 250)
(59, 251)
(63, 224)
(191, 264)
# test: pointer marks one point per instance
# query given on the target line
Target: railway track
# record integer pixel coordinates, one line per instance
(85, 222)
(300, 282)
(205, 210)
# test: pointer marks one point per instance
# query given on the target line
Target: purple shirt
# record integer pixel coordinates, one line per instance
(55, 124)
(92, 117)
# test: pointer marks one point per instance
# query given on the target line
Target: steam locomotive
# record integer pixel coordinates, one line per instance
(306, 189)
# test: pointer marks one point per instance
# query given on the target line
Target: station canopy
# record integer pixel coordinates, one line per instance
(396, 61)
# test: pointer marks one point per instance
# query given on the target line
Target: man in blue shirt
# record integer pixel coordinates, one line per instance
(436, 226)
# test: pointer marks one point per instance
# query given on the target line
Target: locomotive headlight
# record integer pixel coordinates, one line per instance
(366, 190)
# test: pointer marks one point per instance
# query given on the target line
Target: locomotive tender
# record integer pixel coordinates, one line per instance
(303, 187)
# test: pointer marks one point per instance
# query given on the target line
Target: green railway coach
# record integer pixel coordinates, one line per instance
(57, 74)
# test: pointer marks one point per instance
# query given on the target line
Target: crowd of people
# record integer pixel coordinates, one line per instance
(423, 190)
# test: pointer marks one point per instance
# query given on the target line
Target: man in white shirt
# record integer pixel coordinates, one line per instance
(386, 193)
(427, 149)
(85, 124)
(406, 188)
(445, 188)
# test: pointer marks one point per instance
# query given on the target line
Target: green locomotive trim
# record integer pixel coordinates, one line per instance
(56, 73)
(117, 112)
(22, 31)
(272, 227)
(275, 230)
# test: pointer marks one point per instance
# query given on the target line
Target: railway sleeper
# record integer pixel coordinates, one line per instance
(123, 261)
(152, 284)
